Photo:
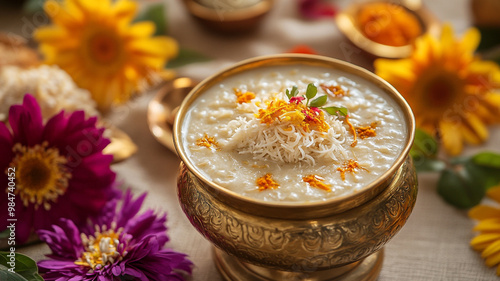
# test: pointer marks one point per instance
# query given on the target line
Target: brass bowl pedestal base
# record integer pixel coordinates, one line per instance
(232, 269)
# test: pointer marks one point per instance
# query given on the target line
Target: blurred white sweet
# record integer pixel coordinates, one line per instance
(52, 87)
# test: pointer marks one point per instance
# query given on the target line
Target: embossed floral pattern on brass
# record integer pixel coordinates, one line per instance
(300, 244)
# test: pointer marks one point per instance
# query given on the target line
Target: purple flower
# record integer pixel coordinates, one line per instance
(118, 245)
(52, 170)
(314, 9)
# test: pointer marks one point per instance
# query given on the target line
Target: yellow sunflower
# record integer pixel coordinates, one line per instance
(95, 42)
(488, 239)
(453, 93)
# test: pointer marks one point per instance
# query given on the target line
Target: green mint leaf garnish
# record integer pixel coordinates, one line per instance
(332, 110)
(293, 93)
(317, 102)
(311, 91)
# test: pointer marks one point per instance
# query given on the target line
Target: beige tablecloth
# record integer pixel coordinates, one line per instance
(433, 245)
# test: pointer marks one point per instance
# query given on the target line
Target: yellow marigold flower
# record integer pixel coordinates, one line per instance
(488, 239)
(451, 90)
(95, 42)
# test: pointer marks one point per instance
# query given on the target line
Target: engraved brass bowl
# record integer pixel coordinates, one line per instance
(341, 238)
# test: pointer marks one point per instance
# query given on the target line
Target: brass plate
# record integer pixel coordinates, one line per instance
(232, 269)
(163, 107)
(121, 145)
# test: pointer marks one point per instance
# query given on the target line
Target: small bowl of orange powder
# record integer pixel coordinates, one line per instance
(385, 28)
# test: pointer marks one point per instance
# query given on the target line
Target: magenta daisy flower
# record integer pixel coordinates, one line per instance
(119, 245)
(59, 167)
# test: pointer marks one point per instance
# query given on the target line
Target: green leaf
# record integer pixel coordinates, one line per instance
(5, 233)
(31, 7)
(483, 176)
(25, 268)
(295, 91)
(320, 101)
(424, 145)
(7, 275)
(458, 190)
(424, 164)
(465, 186)
(488, 159)
(332, 110)
(187, 56)
(156, 14)
(311, 91)
(489, 37)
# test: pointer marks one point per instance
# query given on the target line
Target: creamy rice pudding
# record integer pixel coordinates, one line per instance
(293, 133)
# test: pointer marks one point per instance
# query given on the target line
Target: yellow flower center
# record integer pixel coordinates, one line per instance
(440, 90)
(103, 48)
(101, 248)
(41, 174)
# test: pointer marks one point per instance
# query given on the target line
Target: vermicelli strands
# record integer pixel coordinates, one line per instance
(284, 142)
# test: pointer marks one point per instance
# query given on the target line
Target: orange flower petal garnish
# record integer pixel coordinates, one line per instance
(368, 131)
(389, 24)
(334, 90)
(350, 166)
(266, 182)
(353, 131)
(207, 142)
(243, 97)
(316, 181)
(297, 113)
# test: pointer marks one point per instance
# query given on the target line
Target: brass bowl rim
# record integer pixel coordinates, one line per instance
(346, 23)
(298, 59)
